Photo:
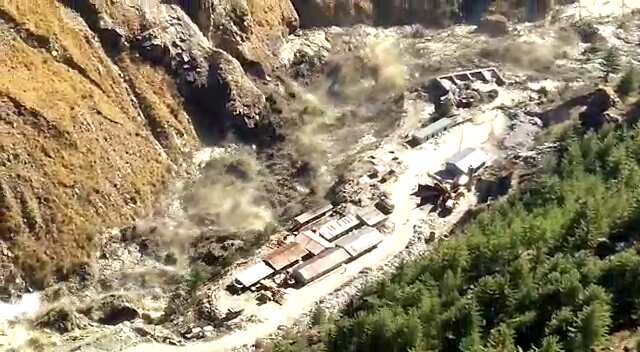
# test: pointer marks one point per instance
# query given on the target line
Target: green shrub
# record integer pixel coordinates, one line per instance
(627, 84)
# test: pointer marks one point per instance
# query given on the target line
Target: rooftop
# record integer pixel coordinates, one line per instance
(285, 256)
(254, 274)
(359, 242)
(469, 158)
(318, 266)
(312, 242)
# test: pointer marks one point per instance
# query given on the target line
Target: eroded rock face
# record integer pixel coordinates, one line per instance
(93, 115)
(246, 29)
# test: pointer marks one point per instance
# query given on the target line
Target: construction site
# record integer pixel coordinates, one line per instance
(393, 138)
(400, 199)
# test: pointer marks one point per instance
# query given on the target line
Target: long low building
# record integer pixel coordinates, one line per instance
(361, 241)
(286, 256)
(468, 159)
(312, 242)
(426, 133)
(337, 227)
(311, 215)
(252, 275)
(320, 265)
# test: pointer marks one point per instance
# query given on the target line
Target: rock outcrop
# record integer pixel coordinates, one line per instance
(321, 13)
(245, 28)
(100, 102)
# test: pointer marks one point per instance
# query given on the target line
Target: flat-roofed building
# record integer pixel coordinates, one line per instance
(371, 216)
(320, 265)
(311, 215)
(337, 227)
(468, 159)
(361, 241)
(285, 256)
(426, 133)
(312, 242)
(252, 275)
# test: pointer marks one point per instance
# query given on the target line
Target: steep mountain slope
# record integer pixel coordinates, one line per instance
(100, 102)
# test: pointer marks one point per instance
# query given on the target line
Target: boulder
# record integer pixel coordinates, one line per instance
(242, 102)
(494, 26)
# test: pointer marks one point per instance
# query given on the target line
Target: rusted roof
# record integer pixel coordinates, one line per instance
(312, 242)
(359, 242)
(312, 214)
(371, 216)
(320, 265)
(285, 256)
(337, 227)
(254, 274)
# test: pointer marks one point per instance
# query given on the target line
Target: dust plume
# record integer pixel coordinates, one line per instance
(531, 53)
(230, 194)
(335, 117)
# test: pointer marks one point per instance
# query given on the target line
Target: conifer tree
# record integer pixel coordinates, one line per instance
(610, 64)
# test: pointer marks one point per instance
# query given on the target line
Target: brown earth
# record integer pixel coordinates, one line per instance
(97, 114)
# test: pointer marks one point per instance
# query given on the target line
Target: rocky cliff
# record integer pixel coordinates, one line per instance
(314, 13)
(100, 104)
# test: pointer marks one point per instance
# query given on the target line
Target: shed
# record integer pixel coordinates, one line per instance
(320, 265)
(312, 214)
(285, 256)
(470, 158)
(312, 242)
(253, 274)
(361, 241)
(337, 227)
(371, 216)
(424, 134)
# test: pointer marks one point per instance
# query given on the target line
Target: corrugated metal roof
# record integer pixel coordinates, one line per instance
(312, 214)
(313, 242)
(320, 265)
(254, 274)
(337, 227)
(469, 158)
(360, 241)
(371, 216)
(285, 256)
(423, 134)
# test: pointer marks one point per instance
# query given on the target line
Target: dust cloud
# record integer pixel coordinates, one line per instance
(530, 53)
(333, 119)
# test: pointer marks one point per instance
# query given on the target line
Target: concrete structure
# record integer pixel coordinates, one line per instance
(470, 159)
(311, 215)
(424, 134)
(485, 75)
(286, 256)
(359, 242)
(337, 227)
(312, 242)
(252, 275)
(371, 216)
(320, 265)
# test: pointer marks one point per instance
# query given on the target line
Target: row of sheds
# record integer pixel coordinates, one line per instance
(320, 251)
